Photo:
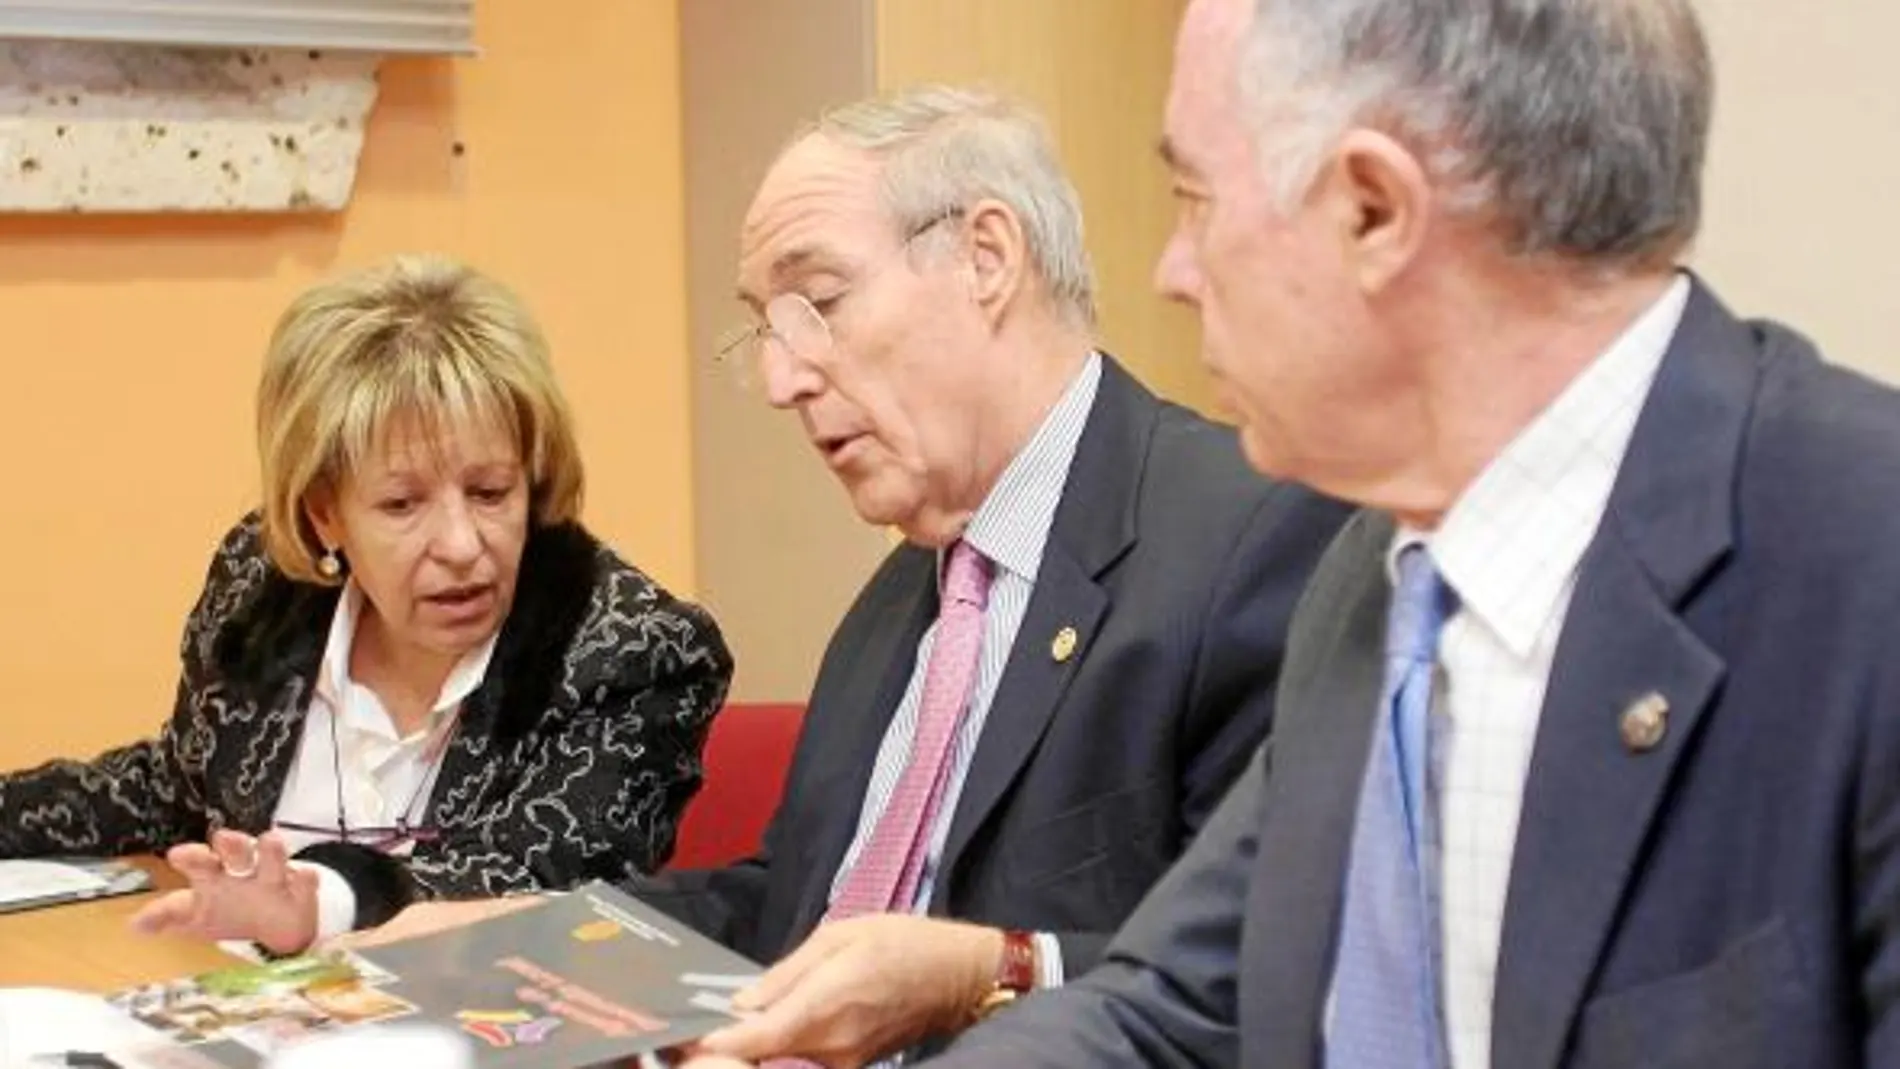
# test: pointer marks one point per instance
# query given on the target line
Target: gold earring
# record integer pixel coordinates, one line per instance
(330, 566)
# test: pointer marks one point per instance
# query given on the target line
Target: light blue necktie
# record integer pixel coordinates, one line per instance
(1385, 994)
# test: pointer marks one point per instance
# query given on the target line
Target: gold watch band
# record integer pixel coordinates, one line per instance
(1016, 974)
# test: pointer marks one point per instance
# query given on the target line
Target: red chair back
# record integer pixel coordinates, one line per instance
(747, 756)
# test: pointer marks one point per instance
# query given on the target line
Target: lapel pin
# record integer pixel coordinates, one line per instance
(1644, 722)
(1064, 645)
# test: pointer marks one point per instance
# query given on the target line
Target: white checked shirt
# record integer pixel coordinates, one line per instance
(1011, 528)
(1510, 548)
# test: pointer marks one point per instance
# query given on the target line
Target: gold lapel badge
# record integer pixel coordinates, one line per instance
(1644, 722)
(1064, 645)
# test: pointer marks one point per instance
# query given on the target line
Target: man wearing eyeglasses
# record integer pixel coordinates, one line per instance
(1041, 695)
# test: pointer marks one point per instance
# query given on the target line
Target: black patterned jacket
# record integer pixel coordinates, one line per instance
(573, 760)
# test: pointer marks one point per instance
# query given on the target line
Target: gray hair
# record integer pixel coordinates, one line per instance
(1578, 126)
(944, 148)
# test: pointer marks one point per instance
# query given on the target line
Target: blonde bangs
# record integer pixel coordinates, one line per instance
(436, 400)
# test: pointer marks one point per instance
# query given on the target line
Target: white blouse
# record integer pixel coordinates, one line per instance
(351, 760)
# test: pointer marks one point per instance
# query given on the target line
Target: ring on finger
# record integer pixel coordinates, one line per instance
(240, 872)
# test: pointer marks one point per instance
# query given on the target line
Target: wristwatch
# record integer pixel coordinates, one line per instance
(1015, 974)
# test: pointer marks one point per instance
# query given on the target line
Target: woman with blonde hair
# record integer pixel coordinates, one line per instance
(411, 671)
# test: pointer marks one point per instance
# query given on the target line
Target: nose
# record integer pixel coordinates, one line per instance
(1177, 276)
(788, 380)
(457, 538)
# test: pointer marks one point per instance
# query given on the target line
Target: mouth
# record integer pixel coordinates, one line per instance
(464, 602)
(835, 448)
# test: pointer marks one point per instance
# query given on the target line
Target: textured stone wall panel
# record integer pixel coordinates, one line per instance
(98, 128)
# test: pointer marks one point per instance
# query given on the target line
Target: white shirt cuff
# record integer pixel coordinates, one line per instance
(1048, 960)
(336, 901)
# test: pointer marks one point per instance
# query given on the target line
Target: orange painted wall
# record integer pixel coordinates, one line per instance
(129, 345)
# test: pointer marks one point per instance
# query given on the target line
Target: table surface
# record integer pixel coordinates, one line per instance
(88, 946)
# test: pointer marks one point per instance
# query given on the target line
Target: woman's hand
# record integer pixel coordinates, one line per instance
(240, 888)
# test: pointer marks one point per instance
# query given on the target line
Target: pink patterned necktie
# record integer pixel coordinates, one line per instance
(892, 860)
(888, 868)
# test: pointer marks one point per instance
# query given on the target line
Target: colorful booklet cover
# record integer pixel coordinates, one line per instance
(589, 978)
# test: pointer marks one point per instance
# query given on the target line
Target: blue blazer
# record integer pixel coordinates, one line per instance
(1729, 897)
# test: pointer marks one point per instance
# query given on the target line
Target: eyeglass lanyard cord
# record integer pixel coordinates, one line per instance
(431, 753)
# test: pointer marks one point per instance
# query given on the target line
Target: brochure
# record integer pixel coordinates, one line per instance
(589, 978)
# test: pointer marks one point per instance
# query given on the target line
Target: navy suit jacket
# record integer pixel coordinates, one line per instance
(1179, 569)
(1729, 897)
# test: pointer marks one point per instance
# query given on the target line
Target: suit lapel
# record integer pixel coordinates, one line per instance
(1092, 529)
(265, 658)
(1026, 696)
(473, 758)
(272, 736)
(879, 671)
(1590, 799)
(1329, 695)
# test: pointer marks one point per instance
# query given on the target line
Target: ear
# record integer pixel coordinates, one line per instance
(999, 257)
(319, 507)
(1381, 202)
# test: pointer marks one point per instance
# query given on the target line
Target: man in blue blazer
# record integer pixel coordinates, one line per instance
(1588, 739)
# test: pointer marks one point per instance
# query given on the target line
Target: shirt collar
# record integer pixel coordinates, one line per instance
(1011, 527)
(333, 677)
(1549, 488)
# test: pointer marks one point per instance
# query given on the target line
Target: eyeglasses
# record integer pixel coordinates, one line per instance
(794, 322)
(386, 840)
(790, 320)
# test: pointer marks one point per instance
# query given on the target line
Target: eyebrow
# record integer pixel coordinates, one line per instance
(1170, 154)
(497, 466)
(791, 264)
